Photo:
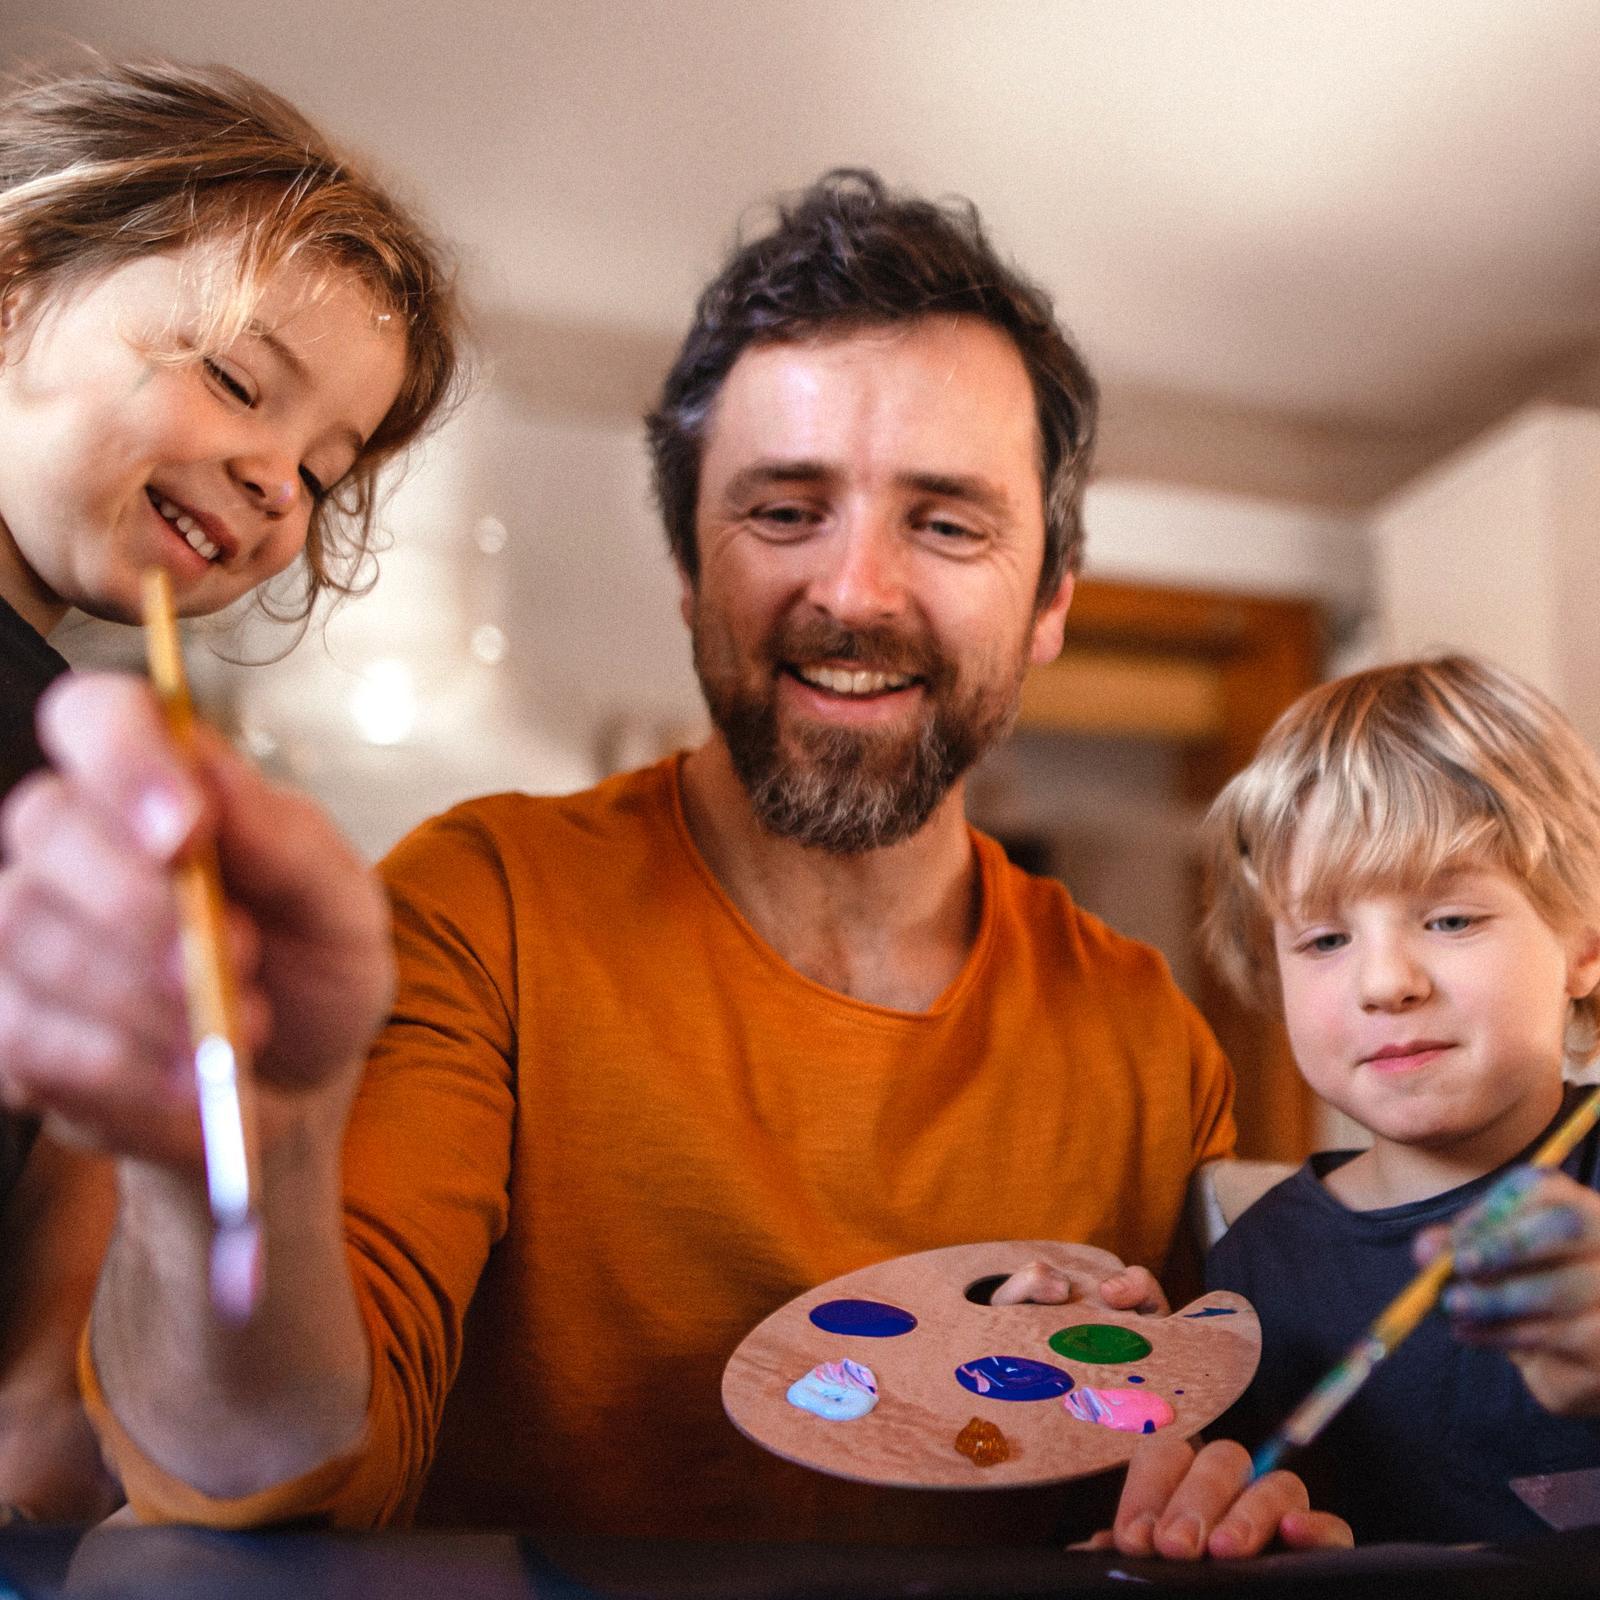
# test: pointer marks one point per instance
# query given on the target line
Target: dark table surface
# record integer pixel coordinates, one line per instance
(184, 1564)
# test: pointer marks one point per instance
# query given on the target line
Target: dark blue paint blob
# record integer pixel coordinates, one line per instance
(1213, 1311)
(1149, 1426)
(1013, 1378)
(1133, 1377)
(866, 1319)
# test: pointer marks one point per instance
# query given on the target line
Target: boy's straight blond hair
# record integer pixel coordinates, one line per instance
(1412, 770)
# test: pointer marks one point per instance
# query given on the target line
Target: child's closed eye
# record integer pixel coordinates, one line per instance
(231, 380)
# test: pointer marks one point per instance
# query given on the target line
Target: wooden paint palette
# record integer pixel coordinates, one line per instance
(933, 1377)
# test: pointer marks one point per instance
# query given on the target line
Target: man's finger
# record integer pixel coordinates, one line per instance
(1135, 1289)
(1157, 1468)
(1038, 1283)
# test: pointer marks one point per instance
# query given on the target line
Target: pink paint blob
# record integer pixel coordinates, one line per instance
(1126, 1410)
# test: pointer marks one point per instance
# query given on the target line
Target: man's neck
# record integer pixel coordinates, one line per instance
(891, 926)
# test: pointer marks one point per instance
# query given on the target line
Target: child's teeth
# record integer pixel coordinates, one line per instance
(189, 528)
(196, 540)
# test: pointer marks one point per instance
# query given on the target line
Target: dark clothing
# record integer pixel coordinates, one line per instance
(1428, 1446)
(27, 667)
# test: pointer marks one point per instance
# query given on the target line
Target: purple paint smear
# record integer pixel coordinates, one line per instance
(1013, 1378)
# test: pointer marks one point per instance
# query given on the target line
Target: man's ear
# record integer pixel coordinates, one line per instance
(1050, 623)
(685, 595)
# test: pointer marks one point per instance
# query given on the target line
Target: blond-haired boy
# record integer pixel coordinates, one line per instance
(1410, 868)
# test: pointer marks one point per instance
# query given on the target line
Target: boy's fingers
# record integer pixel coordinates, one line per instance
(1567, 1291)
(1535, 1234)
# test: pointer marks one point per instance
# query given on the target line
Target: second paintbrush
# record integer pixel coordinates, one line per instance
(1404, 1312)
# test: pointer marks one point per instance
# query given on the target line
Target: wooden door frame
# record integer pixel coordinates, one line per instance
(1209, 672)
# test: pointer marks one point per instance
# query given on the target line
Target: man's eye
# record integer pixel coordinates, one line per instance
(313, 483)
(228, 381)
(954, 531)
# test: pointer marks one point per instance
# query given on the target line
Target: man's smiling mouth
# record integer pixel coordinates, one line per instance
(852, 680)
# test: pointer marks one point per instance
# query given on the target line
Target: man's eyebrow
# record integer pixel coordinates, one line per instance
(301, 373)
(975, 491)
(768, 474)
(979, 492)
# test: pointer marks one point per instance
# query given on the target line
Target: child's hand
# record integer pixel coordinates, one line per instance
(1527, 1281)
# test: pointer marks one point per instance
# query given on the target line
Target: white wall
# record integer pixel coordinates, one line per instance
(1493, 552)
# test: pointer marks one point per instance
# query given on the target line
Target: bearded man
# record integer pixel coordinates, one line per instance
(665, 1054)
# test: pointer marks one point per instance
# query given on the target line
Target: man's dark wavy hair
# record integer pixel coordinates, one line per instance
(850, 252)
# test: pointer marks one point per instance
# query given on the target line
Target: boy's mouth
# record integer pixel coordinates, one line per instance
(1410, 1053)
(185, 525)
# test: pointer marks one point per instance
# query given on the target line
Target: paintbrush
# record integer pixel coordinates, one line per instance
(1409, 1307)
(221, 1066)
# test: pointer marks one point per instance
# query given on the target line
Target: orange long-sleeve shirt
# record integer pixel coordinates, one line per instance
(608, 1130)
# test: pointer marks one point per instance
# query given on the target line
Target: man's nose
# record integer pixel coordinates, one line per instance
(860, 575)
(1392, 978)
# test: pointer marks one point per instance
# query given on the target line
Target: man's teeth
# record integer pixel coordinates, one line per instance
(189, 528)
(840, 680)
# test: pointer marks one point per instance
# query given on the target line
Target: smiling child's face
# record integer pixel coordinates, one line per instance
(1435, 1016)
(114, 457)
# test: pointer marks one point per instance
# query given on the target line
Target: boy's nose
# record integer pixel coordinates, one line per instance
(1392, 979)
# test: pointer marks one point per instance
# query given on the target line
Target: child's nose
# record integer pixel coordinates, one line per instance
(273, 485)
(1392, 978)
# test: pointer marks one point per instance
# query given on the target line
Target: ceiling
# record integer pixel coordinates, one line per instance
(1369, 223)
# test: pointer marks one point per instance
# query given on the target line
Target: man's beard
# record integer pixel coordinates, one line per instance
(849, 790)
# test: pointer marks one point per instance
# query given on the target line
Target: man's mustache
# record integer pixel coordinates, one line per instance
(873, 649)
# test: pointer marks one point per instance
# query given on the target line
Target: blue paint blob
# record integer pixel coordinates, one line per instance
(1133, 1377)
(1013, 1378)
(866, 1319)
(1149, 1427)
(1213, 1311)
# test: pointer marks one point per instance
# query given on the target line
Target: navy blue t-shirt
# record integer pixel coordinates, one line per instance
(1427, 1448)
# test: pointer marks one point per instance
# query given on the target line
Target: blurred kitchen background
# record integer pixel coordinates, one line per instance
(1337, 266)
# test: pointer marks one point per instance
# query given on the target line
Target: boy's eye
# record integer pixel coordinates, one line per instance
(1452, 922)
(1321, 944)
(231, 382)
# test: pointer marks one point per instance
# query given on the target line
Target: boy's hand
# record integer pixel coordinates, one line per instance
(1527, 1281)
(1184, 1504)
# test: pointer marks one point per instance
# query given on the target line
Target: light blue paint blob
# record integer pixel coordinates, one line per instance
(837, 1391)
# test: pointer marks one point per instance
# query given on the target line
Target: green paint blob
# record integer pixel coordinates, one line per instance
(1100, 1342)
